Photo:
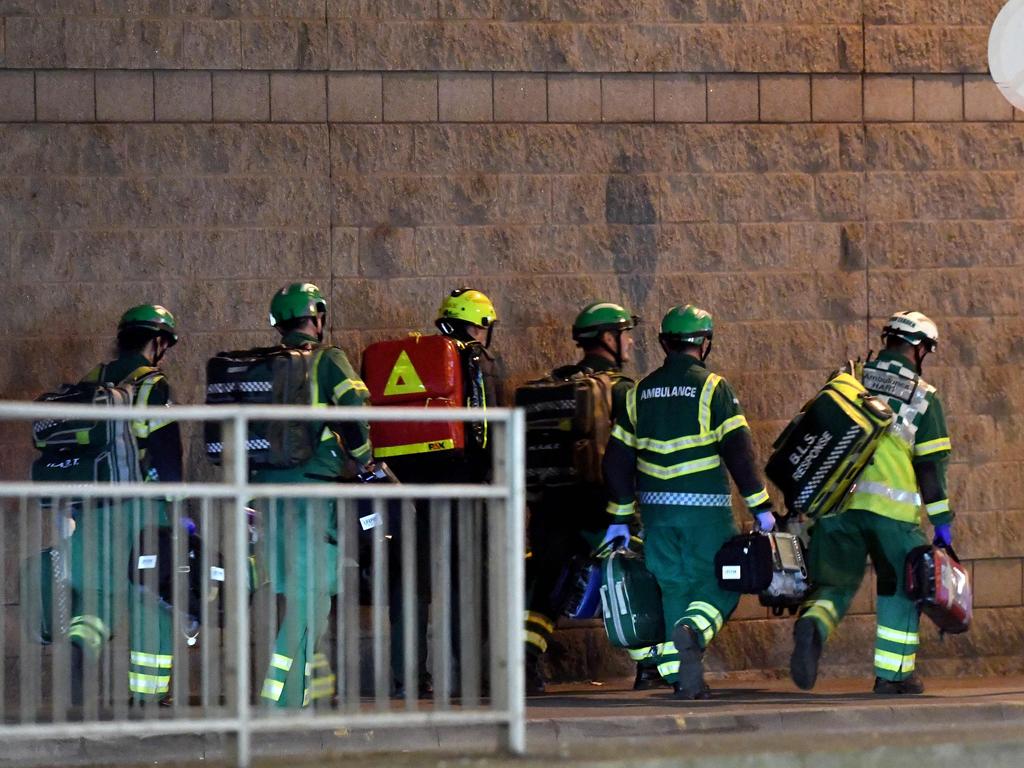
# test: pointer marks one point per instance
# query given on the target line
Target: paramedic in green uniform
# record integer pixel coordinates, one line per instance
(881, 517)
(144, 334)
(681, 428)
(300, 529)
(569, 520)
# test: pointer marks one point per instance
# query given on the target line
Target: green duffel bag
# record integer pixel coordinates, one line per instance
(631, 601)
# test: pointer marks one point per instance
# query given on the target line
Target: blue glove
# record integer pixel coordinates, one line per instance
(943, 536)
(189, 525)
(766, 521)
(617, 531)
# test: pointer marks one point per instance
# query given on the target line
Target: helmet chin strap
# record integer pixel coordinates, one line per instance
(617, 352)
(705, 351)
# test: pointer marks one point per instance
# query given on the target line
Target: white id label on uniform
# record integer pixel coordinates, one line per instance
(370, 521)
(216, 574)
(147, 562)
(730, 572)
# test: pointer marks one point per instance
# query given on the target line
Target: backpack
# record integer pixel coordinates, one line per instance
(91, 450)
(265, 376)
(415, 372)
(568, 423)
(824, 448)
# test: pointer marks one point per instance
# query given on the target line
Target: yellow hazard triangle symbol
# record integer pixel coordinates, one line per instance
(403, 379)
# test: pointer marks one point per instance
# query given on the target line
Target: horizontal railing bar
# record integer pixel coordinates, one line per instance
(13, 410)
(255, 490)
(265, 724)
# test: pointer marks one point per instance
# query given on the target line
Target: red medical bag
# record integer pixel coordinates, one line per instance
(941, 586)
(415, 372)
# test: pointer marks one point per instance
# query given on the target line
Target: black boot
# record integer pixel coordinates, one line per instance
(534, 678)
(647, 677)
(910, 686)
(691, 665)
(803, 664)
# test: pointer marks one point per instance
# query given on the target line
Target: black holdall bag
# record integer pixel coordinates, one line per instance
(769, 564)
(265, 376)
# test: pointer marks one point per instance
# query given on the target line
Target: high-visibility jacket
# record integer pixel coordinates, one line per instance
(888, 486)
(673, 425)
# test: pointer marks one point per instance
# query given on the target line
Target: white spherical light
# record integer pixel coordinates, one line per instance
(1006, 52)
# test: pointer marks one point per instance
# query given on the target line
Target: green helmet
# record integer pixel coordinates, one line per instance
(688, 324)
(295, 301)
(602, 316)
(152, 317)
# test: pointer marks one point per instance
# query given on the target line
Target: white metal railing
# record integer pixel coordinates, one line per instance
(485, 522)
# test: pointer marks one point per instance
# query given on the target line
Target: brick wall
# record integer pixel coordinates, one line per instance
(802, 168)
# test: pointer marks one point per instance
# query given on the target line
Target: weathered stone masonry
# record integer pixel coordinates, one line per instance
(800, 167)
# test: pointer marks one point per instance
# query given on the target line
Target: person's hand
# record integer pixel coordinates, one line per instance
(616, 531)
(943, 536)
(765, 521)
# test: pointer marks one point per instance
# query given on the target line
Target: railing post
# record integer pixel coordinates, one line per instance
(515, 466)
(240, 592)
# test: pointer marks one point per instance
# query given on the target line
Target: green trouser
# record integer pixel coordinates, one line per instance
(839, 546)
(303, 567)
(101, 592)
(682, 558)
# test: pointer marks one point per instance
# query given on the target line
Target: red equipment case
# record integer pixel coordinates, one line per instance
(415, 372)
(941, 586)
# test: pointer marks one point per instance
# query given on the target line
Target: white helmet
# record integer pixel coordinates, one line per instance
(914, 328)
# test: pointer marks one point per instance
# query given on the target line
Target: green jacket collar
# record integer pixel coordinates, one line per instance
(889, 356)
(682, 362)
(298, 339)
(598, 364)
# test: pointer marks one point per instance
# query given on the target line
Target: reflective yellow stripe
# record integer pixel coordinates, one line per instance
(158, 661)
(678, 444)
(678, 470)
(731, 424)
(540, 620)
(824, 611)
(314, 380)
(668, 668)
(624, 436)
(88, 635)
(277, 661)
(537, 641)
(348, 385)
(411, 448)
(937, 507)
(620, 510)
(272, 689)
(933, 446)
(140, 683)
(320, 660)
(894, 636)
(364, 450)
(639, 654)
(704, 418)
(708, 609)
(703, 626)
(895, 662)
(93, 622)
(665, 649)
(631, 406)
(756, 499)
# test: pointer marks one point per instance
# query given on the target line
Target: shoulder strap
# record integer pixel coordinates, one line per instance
(142, 373)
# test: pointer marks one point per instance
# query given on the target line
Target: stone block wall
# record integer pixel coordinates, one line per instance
(801, 168)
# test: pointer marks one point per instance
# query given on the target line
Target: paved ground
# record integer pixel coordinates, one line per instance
(767, 724)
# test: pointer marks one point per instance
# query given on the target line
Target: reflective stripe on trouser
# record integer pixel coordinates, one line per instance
(323, 679)
(840, 544)
(149, 674)
(682, 560)
(705, 619)
(646, 656)
(152, 647)
(89, 632)
(538, 631)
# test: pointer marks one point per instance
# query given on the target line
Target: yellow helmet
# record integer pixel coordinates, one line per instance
(467, 305)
